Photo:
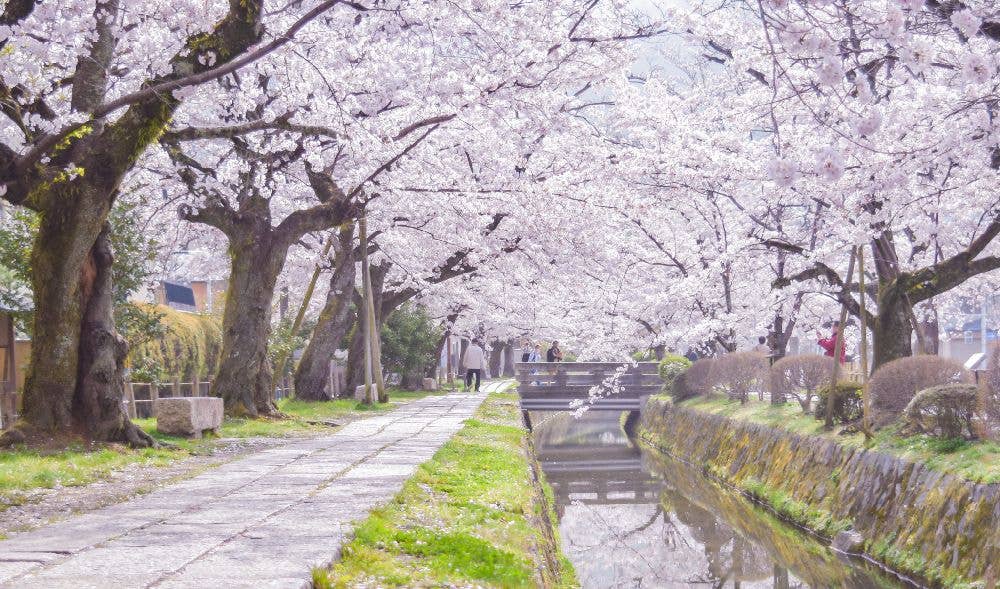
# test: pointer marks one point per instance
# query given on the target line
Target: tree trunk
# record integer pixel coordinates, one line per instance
(509, 359)
(930, 327)
(244, 377)
(496, 349)
(334, 323)
(892, 330)
(75, 380)
(462, 347)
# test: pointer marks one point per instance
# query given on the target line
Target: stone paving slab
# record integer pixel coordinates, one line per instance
(263, 521)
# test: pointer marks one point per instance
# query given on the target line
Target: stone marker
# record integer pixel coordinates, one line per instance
(430, 384)
(848, 541)
(188, 416)
(359, 393)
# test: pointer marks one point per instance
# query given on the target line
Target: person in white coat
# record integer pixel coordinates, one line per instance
(474, 361)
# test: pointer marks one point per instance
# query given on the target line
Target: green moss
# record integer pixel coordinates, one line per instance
(817, 520)
(468, 516)
(190, 348)
(974, 460)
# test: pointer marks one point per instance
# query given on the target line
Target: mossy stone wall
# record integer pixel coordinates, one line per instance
(914, 519)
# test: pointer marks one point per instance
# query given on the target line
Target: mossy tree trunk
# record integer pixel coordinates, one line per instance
(71, 178)
(892, 332)
(244, 377)
(258, 250)
(335, 320)
(897, 292)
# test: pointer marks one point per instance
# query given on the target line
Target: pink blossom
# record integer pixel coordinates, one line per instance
(917, 55)
(783, 172)
(912, 4)
(829, 164)
(831, 72)
(967, 22)
(977, 69)
(868, 125)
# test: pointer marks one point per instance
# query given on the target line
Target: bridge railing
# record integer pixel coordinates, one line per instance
(562, 386)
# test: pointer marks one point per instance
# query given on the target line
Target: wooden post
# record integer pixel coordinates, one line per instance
(366, 321)
(154, 396)
(864, 345)
(130, 399)
(837, 346)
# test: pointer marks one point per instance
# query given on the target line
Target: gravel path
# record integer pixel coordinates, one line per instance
(264, 520)
(45, 506)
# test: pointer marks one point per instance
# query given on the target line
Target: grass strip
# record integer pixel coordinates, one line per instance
(473, 515)
(974, 460)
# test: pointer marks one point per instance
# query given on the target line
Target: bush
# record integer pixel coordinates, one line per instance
(944, 410)
(698, 380)
(670, 368)
(894, 385)
(189, 346)
(410, 339)
(800, 377)
(741, 372)
(849, 407)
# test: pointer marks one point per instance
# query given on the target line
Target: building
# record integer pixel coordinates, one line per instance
(196, 296)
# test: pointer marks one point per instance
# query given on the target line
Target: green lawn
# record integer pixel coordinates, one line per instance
(470, 516)
(25, 469)
(976, 460)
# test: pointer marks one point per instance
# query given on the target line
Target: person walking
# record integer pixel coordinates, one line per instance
(554, 354)
(474, 360)
(536, 354)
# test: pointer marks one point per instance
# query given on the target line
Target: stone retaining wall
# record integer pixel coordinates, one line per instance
(914, 519)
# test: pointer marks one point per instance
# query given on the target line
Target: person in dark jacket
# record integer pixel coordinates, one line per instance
(554, 354)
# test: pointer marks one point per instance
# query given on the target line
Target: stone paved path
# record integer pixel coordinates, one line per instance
(262, 521)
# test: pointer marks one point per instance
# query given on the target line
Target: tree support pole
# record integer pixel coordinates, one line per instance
(838, 345)
(279, 365)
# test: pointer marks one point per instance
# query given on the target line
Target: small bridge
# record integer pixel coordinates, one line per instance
(566, 386)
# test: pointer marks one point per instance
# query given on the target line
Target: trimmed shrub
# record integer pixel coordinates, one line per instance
(741, 372)
(849, 407)
(945, 411)
(800, 377)
(894, 385)
(190, 347)
(670, 368)
(698, 380)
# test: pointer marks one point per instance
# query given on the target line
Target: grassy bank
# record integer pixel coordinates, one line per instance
(934, 528)
(974, 460)
(25, 469)
(473, 515)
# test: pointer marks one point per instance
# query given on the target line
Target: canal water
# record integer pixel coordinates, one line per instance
(632, 517)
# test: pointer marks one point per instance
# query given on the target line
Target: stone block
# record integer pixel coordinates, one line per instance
(188, 416)
(430, 384)
(849, 541)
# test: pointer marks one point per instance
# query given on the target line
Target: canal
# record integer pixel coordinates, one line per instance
(633, 517)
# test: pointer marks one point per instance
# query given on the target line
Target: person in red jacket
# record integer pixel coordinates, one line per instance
(829, 343)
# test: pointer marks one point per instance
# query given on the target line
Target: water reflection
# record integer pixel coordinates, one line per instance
(630, 518)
